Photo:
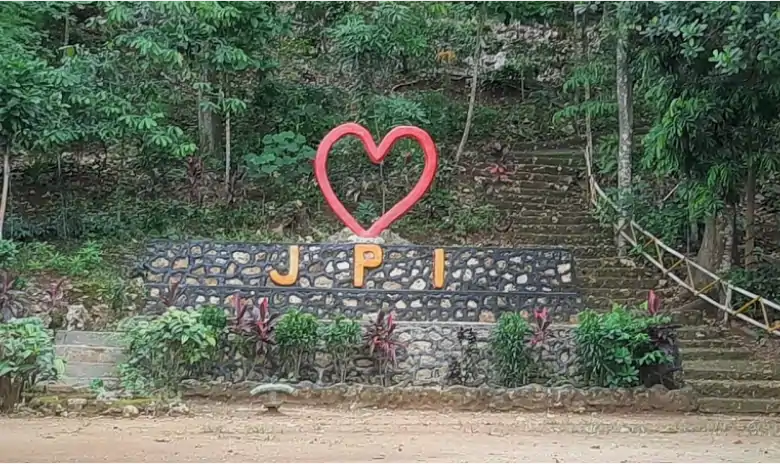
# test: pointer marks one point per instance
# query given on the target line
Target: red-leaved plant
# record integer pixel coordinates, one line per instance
(172, 294)
(255, 321)
(653, 304)
(381, 341)
(55, 294)
(541, 329)
(499, 173)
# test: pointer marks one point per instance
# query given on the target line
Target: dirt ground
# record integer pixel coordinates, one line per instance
(241, 433)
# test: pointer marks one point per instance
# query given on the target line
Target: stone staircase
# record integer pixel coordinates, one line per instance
(88, 356)
(549, 207)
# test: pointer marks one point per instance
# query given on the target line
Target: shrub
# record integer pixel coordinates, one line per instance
(613, 347)
(26, 357)
(296, 337)
(255, 323)
(512, 359)
(8, 252)
(342, 339)
(164, 351)
(213, 317)
(12, 299)
(382, 343)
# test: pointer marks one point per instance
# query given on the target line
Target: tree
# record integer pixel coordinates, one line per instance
(711, 81)
(625, 119)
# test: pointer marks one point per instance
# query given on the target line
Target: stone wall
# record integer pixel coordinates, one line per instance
(429, 349)
(479, 283)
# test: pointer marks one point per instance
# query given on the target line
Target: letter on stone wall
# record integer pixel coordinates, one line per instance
(438, 268)
(292, 274)
(363, 261)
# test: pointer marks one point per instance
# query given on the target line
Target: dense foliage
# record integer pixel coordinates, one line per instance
(26, 357)
(124, 121)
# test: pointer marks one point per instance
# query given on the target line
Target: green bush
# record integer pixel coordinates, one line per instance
(214, 317)
(163, 351)
(296, 337)
(26, 357)
(8, 252)
(512, 357)
(342, 339)
(612, 347)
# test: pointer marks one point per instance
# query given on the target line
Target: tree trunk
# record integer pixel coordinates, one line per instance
(208, 124)
(623, 80)
(227, 152)
(473, 96)
(711, 251)
(729, 240)
(6, 184)
(750, 219)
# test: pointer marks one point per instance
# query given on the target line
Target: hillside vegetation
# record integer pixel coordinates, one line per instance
(125, 121)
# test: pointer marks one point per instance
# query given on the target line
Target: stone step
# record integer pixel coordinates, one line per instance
(526, 182)
(716, 405)
(605, 281)
(89, 354)
(519, 175)
(557, 240)
(559, 229)
(714, 354)
(527, 166)
(86, 382)
(587, 269)
(701, 332)
(519, 203)
(737, 388)
(577, 160)
(730, 370)
(611, 262)
(709, 343)
(548, 219)
(554, 217)
(85, 338)
(90, 370)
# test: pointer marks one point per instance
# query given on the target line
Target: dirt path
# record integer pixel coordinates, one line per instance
(239, 434)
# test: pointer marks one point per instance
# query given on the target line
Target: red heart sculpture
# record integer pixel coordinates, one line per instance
(376, 155)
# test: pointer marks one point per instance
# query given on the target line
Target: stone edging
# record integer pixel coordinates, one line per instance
(529, 398)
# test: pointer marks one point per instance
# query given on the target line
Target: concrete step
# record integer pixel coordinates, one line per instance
(737, 388)
(543, 166)
(547, 219)
(86, 382)
(701, 332)
(716, 405)
(89, 354)
(553, 217)
(714, 354)
(85, 338)
(730, 370)
(586, 270)
(710, 343)
(548, 159)
(518, 202)
(591, 281)
(559, 240)
(516, 174)
(559, 229)
(89, 370)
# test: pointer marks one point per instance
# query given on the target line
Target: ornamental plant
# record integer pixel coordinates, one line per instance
(382, 342)
(256, 322)
(512, 358)
(342, 338)
(26, 357)
(613, 347)
(296, 336)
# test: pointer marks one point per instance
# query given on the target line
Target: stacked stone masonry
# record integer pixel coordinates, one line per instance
(479, 284)
(426, 357)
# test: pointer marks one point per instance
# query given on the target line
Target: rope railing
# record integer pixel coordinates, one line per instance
(641, 239)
